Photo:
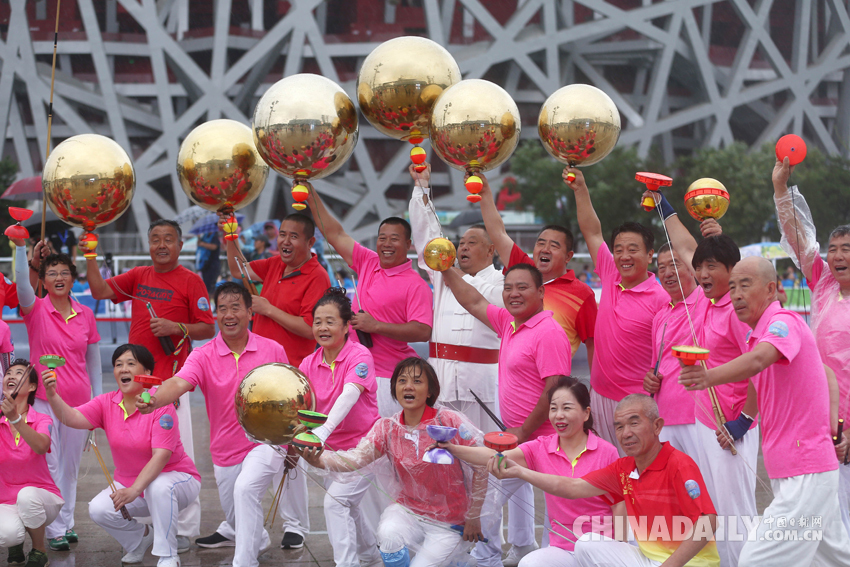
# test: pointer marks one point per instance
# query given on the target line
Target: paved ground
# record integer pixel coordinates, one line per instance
(97, 549)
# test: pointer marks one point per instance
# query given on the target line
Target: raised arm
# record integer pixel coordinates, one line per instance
(683, 242)
(98, 286)
(467, 296)
(493, 221)
(331, 227)
(26, 293)
(72, 417)
(423, 222)
(232, 251)
(799, 237)
(588, 221)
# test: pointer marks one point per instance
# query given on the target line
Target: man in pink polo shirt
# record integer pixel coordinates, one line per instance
(631, 297)
(243, 469)
(393, 306)
(794, 401)
(533, 353)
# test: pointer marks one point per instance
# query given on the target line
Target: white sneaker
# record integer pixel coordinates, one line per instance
(183, 544)
(172, 561)
(517, 552)
(138, 554)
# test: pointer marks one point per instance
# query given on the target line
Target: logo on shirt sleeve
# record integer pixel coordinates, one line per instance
(203, 304)
(7, 280)
(779, 329)
(166, 422)
(361, 369)
(692, 487)
(465, 432)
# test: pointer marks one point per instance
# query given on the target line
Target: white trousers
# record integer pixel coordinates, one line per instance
(603, 418)
(520, 519)
(34, 508)
(593, 550)
(189, 519)
(351, 536)
(169, 493)
(240, 489)
(804, 496)
(685, 438)
(435, 545)
(293, 509)
(387, 406)
(63, 461)
(549, 557)
(731, 483)
(844, 495)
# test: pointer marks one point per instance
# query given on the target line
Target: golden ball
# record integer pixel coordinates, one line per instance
(439, 254)
(707, 198)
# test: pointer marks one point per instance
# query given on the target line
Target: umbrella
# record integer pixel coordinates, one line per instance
(24, 189)
(466, 218)
(769, 250)
(35, 219)
(191, 215)
(258, 226)
(209, 223)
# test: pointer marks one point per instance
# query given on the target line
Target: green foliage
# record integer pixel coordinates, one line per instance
(8, 170)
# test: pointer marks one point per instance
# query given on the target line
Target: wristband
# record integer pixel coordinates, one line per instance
(739, 427)
(17, 420)
(33, 268)
(667, 209)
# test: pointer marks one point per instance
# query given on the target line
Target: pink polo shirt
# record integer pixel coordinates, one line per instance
(725, 336)
(793, 398)
(623, 339)
(21, 466)
(218, 372)
(353, 364)
(544, 455)
(49, 333)
(539, 348)
(133, 437)
(675, 404)
(398, 295)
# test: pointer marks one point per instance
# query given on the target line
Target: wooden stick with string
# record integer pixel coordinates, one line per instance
(124, 513)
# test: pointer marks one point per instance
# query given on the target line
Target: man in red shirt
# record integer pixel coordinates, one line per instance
(293, 281)
(179, 300)
(669, 509)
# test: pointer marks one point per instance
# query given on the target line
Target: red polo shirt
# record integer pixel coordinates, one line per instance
(295, 294)
(671, 487)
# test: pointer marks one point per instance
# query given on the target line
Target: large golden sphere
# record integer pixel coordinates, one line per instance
(440, 254)
(400, 81)
(305, 126)
(88, 181)
(707, 198)
(268, 400)
(579, 125)
(219, 167)
(475, 125)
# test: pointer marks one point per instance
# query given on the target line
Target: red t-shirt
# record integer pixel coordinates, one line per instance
(179, 295)
(670, 487)
(295, 294)
(572, 303)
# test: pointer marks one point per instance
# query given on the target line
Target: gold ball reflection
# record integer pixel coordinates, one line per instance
(439, 254)
(707, 198)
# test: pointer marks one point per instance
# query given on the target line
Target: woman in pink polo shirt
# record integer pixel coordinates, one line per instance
(153, 474)
(437, 507)
(342, 373)
(29, 499)
(573, 451)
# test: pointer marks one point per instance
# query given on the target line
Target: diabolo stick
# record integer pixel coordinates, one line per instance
(124, 513)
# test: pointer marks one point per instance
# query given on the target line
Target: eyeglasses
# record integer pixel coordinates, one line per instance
(62, 274)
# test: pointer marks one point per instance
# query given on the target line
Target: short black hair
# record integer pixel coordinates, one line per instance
(232, 288)
(418, 367)
(33, 377)
(568, 234)
(637, 228)
(57, 260)
(398, 221)
(535, 273)
(307, 224)
(166, 222)
(336, 296)
(718, 248)
(140, 353)
(483, 229)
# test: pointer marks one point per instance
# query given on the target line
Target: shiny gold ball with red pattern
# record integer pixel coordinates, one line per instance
(440, 254)
(88, 181)
(707, 198)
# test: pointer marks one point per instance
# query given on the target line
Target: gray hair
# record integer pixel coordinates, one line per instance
(647, 405)
(838, 231)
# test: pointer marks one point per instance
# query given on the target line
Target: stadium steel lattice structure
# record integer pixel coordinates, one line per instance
(683, 73)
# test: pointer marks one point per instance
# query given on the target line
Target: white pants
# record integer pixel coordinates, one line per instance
(593, 550)
(240, 490)
(63, 461)
(807, 496)
(169, 493)
(434, 544)
(351, 537)
(549, 557)
(33, 508)
(189, 519)
(844, 495)
(520, 519)
(685, 438)
(731, 483)
(387, 406)
(293, 509)
(603, 418)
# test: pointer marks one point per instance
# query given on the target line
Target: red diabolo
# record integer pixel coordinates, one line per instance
(791, 146)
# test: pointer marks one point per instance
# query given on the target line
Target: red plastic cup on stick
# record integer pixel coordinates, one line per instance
(690, 355)
(17, 230)
(652, 181)
(500, 441)
(792, 147)
(148, 382)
